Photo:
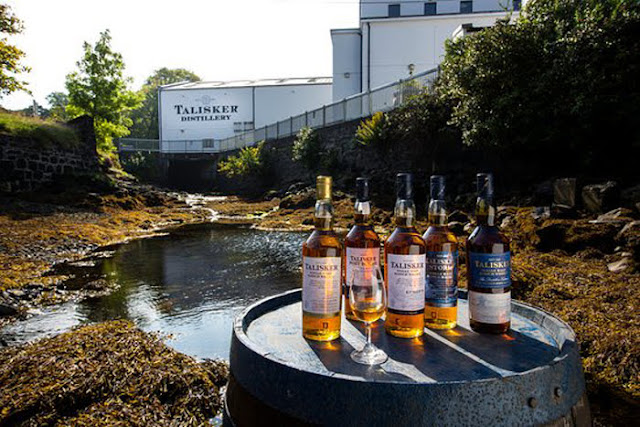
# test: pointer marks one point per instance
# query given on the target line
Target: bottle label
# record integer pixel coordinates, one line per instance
(405, 275)
(441, 284)
(321, 284)
(490, 271)
(361, 264)
(490, 308)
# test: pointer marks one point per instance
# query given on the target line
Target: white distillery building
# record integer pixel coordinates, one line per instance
(195, 116)
(399, 38)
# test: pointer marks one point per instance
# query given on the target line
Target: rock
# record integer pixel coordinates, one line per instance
(272, 194)
(8, 310)
(294, 188)
(540, 213)
(629, 237)
(97, 285)
(468, 228)
(307, 221)
(16, 293)
(302, 200)
(458, 216)
(631, 197)
(598, 197)
(543, 193)
(615, 216)
(456, 227)
(619, 266)
(564, 192)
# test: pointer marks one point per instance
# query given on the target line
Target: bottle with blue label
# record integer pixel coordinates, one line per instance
(441, 278)
(488, 266)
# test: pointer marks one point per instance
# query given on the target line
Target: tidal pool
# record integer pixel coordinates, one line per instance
(189, 284)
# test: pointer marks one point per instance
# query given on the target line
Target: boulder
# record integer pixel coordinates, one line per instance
(456, 227)
(620, 266)
(302, 200)
(458, 216)
(541, 213)
(600, 197)
(564, 193)
(8, 309)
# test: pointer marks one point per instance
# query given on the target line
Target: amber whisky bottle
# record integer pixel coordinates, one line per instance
(322, 272)
(488, 267)
(441, 285)
(362, 245)
(404, 273)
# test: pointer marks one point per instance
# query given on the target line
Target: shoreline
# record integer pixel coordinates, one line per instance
(567, 274)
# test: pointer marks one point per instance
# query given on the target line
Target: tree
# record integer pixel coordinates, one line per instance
(145, 118)
(10, 56)
(58, 102)
(100, 90)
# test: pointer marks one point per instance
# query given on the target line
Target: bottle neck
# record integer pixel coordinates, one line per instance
(323, 215)
(485, 212)
(362, 212)
(405, 213)
(437, 212)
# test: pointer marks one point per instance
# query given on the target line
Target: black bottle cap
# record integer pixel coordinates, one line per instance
(362, 189)
(404, 186)
(484, 183)
(437, 187)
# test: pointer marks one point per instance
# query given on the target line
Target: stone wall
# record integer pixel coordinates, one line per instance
(27, 165)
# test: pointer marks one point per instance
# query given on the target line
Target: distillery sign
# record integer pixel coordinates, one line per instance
(206, 113)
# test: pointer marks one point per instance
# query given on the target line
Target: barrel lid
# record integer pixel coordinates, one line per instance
(537, 356)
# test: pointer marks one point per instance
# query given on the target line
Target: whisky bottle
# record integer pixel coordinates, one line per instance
(362, 245)
(488, 267)
(322, 272)
(404, 274)
(441, 286)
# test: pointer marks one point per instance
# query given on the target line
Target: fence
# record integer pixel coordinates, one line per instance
(383, 98)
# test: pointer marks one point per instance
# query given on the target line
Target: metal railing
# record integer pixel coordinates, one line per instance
(365, 104)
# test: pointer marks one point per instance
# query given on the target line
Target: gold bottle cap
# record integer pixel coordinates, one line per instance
(323, 187)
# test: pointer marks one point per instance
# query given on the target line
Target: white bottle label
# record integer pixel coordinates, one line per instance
(406, 275)
(490, 308)
(361, 264)
(321, 284)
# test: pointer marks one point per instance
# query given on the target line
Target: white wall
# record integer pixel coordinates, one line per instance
(347, 76)
(275, 103)
(185, 116)
(371, 9)
(396, 43)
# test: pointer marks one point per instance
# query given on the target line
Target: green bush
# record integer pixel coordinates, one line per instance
(249, 161)
(45, 132)
(373, 132)
(307, 149)
(558, 88)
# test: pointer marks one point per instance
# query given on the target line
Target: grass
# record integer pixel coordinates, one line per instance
(45, 132)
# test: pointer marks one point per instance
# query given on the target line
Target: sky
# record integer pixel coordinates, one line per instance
(216, 39)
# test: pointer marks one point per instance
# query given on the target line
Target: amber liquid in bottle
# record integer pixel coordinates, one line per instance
(488, 267)
(441, 306)
(322, 272)
(404, 252)
(362, 245)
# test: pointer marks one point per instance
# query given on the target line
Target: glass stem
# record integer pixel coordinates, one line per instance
(368, 326)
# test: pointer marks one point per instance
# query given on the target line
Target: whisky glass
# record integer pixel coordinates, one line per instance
(368, 299)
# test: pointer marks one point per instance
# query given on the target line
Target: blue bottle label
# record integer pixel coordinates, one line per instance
(490, 271)
(441, 283)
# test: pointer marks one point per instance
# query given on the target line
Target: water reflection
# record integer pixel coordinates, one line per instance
(189, 284)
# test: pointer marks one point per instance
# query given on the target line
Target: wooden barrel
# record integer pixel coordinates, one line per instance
(530, 376)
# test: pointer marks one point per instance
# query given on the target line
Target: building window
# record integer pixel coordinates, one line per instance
(430, 8)
(394, 10)
(516, 4)
(466, 6)
(207, 143)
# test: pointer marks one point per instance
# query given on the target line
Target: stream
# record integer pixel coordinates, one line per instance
(189, 284)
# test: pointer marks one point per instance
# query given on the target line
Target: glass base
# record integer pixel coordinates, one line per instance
(369, 355)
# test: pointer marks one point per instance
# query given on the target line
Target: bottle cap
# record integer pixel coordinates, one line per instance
(437, 187)
(362, 189)
(484, 183)
(323, 187)
(404, 186)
